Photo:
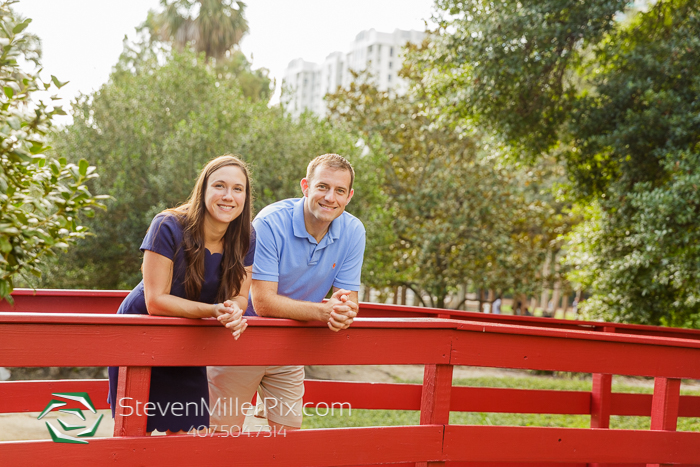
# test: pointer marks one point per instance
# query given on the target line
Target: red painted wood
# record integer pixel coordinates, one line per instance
(575, 351)
(364, 395)
(640, 405)
(435, 400)
(601, 397)
(664, 406)
(65, 301)
(343, 446)
(132, 392)
(435, 397)
(380, 309)
(540, 445)
(93, 318)
(178, 345)
(506, 400)
(32, 396)
(107, 301)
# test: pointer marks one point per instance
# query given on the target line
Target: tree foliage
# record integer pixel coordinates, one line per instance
(40, 198)
(213, 28)
(617, 103)
(450, 215)
(150, 131)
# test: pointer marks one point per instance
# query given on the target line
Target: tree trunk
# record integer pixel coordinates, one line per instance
(404, 292)
(545, 282)
(461, 291)
(555, 298)
(482, 299)
(396, 295)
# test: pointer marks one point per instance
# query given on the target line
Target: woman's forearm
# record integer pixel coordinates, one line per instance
(170, 305)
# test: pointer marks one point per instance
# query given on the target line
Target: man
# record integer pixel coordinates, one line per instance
(304, 247)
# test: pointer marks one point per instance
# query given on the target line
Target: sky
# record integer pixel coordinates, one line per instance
(82, 39)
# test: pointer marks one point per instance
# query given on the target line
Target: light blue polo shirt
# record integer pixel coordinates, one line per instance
(303, 268)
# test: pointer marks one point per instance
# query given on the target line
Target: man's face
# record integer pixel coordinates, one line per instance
(327, 192)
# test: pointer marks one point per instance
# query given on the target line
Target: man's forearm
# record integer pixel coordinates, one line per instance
(278, 306)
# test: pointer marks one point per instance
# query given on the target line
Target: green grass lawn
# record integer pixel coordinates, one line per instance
(361, 417)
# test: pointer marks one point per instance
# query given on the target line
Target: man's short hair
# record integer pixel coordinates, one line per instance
(332, 161)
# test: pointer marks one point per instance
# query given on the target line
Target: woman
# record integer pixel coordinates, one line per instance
(197, 264)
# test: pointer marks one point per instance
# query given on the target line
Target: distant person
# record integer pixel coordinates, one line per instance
(197, 261)
(496, 306)
(304, 248)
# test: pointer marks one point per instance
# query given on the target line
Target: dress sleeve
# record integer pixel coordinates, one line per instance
(163, 236)
(250, 256)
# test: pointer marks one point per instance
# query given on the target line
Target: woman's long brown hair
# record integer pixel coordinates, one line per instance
(236, 239)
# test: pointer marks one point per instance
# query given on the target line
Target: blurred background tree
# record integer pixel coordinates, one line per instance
(612, 93)
(41, 198)
(455, 216)
(150, 132)
(214, 28)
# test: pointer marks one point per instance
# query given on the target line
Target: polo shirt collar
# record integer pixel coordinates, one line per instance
(300, 227)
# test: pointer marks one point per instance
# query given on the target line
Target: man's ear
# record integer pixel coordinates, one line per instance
(304, 186)
(352, 192)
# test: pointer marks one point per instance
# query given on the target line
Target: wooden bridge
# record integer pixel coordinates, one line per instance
(79, 328)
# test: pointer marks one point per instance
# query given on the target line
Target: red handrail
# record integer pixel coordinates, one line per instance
(46, 339)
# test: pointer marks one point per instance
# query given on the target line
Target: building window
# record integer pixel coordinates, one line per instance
(369, 49)
(390, 65)
(391, 51)
(389, 78)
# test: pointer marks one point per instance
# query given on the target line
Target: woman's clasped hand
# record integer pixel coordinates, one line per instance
(231, 316)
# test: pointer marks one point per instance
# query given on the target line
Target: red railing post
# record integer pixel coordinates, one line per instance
(664, 406)
(600, 400)
(132, 394)
(435, 400)
(601, 394)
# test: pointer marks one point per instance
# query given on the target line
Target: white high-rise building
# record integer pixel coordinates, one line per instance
(306, 83)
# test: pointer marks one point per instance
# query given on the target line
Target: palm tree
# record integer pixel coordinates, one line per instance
(210, 26)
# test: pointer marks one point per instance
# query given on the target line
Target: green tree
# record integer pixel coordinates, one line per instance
(449, 215)
(214, 28)
(616, 101)
(40, 198)
(150, 130)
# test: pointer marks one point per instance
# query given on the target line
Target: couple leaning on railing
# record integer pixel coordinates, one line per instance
(206, 258)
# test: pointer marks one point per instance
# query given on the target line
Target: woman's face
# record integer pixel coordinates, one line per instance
(225, 195)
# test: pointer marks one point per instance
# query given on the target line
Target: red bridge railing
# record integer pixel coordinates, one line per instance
(138, 342)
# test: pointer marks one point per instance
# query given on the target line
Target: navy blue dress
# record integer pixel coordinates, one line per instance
(175, 384)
